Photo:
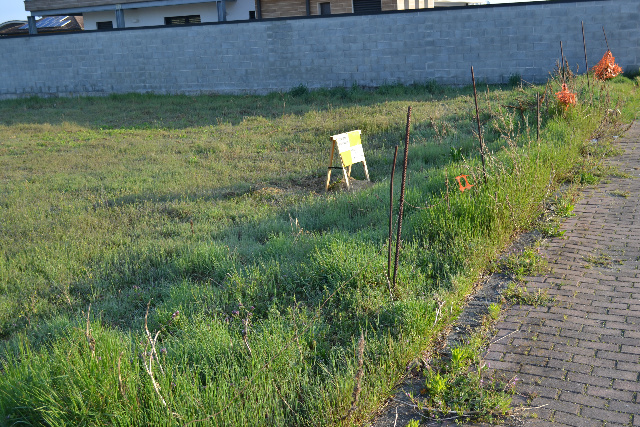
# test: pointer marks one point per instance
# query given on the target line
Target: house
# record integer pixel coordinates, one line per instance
(290, 8)
(49, 24)
(107, 14)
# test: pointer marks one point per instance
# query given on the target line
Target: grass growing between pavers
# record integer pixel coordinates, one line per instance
(460, 387)
(173, 259)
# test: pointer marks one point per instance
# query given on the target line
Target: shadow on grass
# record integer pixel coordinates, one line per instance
(148, 111)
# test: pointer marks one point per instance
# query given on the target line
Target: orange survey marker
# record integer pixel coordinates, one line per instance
(466, 183)
(607, 67)
(566, 97)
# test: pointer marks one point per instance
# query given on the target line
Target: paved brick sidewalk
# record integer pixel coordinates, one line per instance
(580, 356)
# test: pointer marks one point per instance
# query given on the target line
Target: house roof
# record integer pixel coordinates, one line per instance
(11, 25)
(48, 24)
(76, 7)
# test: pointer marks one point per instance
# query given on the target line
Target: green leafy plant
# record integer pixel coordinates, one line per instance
(515, 80)
(435, 384)
(461, 358)
(563, 206)
(551, 229)
(526, 263)
(601, 260)
(461, 387)
(456, 154)
(587, 178)
(620, 193)
(517, 293)
(494, 310)
(298, 91)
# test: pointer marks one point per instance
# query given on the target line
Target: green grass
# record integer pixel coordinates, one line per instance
(460, 388)
(211, 210)
(527, 263)
(517, 293)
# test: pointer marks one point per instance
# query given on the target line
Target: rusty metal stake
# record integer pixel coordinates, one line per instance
(586, 63)
(538, 116)
(605, 37)
(482, 150)
(393, 171)
(562, 61)
(402, 188)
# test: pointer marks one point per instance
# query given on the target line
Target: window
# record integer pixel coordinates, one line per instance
(252, 14)
(367, 6)
(325, 8)
(182, 20)
(104, 25)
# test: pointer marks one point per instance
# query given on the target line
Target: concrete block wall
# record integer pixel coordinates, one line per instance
(277, 55)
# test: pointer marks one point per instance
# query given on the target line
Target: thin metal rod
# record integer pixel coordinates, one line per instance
(562, 60)
(475, 97)
(393, 172)
(402, 188)
(538, 116)
(605, 37)
(586, 63)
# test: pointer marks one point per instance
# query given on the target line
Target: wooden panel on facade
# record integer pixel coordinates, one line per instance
(282, 8)
(290, 8)
(389, 5)
(337, 6)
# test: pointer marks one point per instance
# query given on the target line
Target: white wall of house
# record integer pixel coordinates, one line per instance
(239, 10)
(150, 16)
(90, 19)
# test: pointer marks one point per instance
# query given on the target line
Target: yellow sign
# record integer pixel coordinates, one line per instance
(349, 147)
(351, 152)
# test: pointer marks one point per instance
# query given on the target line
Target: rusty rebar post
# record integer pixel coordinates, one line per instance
(538, 116)
(482, 150)
(393, 172)
(562, 61)
(586, 63)
(402, 188)
(605, 37)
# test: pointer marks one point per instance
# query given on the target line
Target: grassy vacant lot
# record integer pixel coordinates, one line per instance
(209, 213)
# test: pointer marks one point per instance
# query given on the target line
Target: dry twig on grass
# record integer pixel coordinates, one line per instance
(148, 365)
(358, 378)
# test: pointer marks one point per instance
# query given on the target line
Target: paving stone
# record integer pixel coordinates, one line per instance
(605, 415)
(543, 372)
(627, 385)
(570, 366)
(615, 373)
(584, 399)
(575, 421)
(610, 393)
(626, 407)
(566, 406)
(589, 379)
